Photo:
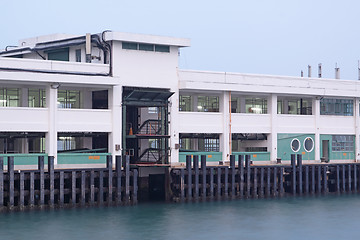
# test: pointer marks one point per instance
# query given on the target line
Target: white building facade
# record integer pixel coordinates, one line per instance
(79, 97)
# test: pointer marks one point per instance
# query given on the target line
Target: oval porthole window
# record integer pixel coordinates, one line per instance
(295, 145)
(308, 144)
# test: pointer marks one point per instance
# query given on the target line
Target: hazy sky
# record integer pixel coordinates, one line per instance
(277, 37)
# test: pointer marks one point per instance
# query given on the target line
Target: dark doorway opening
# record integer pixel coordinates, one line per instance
(157, 187)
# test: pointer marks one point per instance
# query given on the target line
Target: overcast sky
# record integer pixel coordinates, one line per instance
(278, 37)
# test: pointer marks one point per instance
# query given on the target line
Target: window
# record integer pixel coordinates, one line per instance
(297, 106)
(340, 107)
(68, 99)
(209, 145)
(308, 144)
(9, 97)
(37, 98)
(129, 45)
(145, 47)
(295, 145)
(66, 143)
(59, 55)
(152, 110)
(185, 103)
(199, 142)
(208, 104)
(342, 143)
(256, 105)
(162, 48)
(78, 55)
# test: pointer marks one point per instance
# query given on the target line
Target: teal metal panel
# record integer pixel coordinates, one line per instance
(255, 156)
(284, 149)
(82, 158)
(24, 159)
(336, 155)
(210, 156)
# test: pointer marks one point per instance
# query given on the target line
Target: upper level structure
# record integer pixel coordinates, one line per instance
(123, 93)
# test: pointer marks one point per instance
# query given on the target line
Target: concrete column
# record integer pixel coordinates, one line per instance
(24, 145)
(225, 136)
(195, 102)
(242, 104)
(272, 105)
(316, 113)
(51, 135)
(24, 97)
(357, 128)
(174, 126)
(87, 99)
(115, 137)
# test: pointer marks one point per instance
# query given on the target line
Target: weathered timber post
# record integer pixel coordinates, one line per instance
(293, 174)
(118, 179)
(51, 179)
(203, 173)
(189, 177)
(196, 179)
(110, 178)
(300, 170)
(11, 181)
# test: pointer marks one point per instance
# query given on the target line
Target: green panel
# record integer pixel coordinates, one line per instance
(342, 155)
(210, 156)
(255, 156)
(284, 150)
(24, 159)
(82, 158)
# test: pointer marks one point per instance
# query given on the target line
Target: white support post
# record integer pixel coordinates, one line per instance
(316, 112)
(115, 137)
(273, 136)
(357, 128)
(174, 126)
(24, 97)
(224, 137)
(51, 135)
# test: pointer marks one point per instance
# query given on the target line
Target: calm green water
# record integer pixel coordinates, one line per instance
(293, 218)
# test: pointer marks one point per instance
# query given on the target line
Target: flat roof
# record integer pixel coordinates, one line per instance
(146, 38)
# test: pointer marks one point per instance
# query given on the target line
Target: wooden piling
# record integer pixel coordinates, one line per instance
(1, 183)
(274, 181)
(293, 174)
(343, 178)
(61, 188)
(21, 190)
(268, 183)
(241, 175)
(349, 178)
(11, 181)
(118, 178)
(189, 177)
(233, 175)
(182, 185)
(306, 179)
(203, 177)
(281, 182)
(325, 182)
(355, 178)
(92, 188)
(248, 175)
(196, 179)
(110, 178)
(261, 191)
(135, 187)
(218, 188)
(73, 187)
(338, 178)
(101, 189)
(226, 182)
(255, 185)
(32, 189)
(127, 178)
(319, 179)
(51, 180)
(313, 180)
(300, 171)
(211, 183)
(83, 188)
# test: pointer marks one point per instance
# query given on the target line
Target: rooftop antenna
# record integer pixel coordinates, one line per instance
(302, 73)
(319, 71)
(309, 71)
(337, 72)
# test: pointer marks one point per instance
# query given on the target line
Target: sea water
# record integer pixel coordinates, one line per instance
(325, 217)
